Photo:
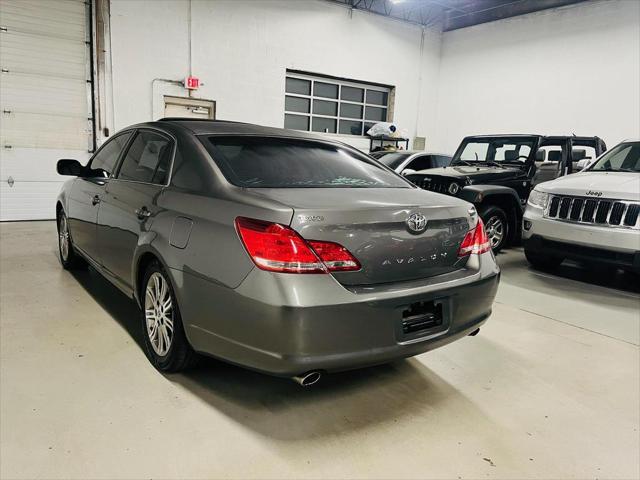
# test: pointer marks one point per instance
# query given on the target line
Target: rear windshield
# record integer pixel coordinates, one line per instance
(259, 162)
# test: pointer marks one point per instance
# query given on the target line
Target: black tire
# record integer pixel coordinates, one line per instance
(179, 356)
(71, 260)
(497, 226)
(542, 262)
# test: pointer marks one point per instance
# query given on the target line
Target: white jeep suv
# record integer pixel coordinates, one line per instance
(592, 216)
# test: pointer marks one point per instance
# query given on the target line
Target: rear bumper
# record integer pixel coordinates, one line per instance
(291, 324)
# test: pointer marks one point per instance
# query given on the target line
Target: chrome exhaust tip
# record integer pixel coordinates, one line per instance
(307, 379)
(475, 332)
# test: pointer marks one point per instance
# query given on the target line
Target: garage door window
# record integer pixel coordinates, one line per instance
(104, 162)
(327, 105)
(147, 159)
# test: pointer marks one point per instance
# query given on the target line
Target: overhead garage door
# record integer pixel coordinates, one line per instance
(45, 101)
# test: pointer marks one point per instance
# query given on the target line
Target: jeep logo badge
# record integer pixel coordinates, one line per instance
(595, 194)
(416, 223)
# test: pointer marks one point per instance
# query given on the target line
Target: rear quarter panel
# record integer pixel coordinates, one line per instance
(211, 248)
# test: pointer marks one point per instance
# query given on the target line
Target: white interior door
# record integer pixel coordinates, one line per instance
(187, 107)
(45, 101)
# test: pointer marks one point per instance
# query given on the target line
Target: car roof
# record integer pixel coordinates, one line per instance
(227, 127)
(516, 135)
(530, 135)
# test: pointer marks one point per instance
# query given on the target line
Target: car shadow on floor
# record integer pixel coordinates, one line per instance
(340, 403)
(281, 409)
(513, 261)
(121, 308)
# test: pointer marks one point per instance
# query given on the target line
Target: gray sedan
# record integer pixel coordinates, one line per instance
(276, 250)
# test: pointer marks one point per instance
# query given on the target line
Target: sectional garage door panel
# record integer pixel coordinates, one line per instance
(29, 200)
(44, 17)
(40, 55)
(36, 164)
(45, 99)
(35, 130)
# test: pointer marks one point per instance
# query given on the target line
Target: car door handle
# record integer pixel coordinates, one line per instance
(143, 212)
(95, 200)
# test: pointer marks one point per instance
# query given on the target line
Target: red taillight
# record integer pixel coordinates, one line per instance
(278, 248)
(334, 256)
(475, 241)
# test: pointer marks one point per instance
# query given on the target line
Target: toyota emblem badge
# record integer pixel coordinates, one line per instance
(416, 223)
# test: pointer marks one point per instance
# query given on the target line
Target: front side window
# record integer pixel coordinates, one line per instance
(327, 105)
(583, 152)
(104, 161)
(550, 154)
(422, 162)
(259, 162)
(623, 158)
(148, 159)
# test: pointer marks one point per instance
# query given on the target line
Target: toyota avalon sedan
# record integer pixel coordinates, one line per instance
(276, 250)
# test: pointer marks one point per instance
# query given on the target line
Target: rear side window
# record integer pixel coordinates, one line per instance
(147, 159)
(104, 162)
(261, 162)
(442, 160)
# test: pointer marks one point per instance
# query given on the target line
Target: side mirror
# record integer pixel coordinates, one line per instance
(70, 167)
(408, 171)
(584, 163)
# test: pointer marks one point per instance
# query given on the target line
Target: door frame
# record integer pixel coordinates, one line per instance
(190, 102)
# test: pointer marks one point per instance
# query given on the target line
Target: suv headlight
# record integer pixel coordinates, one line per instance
(538, 199)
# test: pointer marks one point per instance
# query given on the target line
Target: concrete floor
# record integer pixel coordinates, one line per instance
(548, 389)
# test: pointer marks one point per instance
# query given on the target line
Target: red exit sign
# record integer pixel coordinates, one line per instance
(192, 83)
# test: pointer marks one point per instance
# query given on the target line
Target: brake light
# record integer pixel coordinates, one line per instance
(335, 256)
(278, 248)
(475, 241)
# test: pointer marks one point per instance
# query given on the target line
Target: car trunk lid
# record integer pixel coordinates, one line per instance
(372, 224)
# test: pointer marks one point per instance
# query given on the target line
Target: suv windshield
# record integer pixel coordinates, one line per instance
(494, 150)
(266, 162)
(393, 160)
(622, 158)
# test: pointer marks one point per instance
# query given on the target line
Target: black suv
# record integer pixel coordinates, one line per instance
(497, 172)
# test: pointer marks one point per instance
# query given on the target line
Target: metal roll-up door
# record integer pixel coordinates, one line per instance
(45, 98)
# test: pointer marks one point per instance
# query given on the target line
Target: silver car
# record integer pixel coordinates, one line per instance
(407, 162)
(590, 217)
(273, 249)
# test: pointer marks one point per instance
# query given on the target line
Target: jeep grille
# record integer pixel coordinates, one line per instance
(605, 212)
(435, 184)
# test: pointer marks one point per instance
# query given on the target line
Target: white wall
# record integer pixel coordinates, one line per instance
(241, 50)
(570, 70)
(574, 69)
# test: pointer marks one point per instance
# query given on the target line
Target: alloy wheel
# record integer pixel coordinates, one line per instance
(63, 237)
(158, 311)
(495, 230)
